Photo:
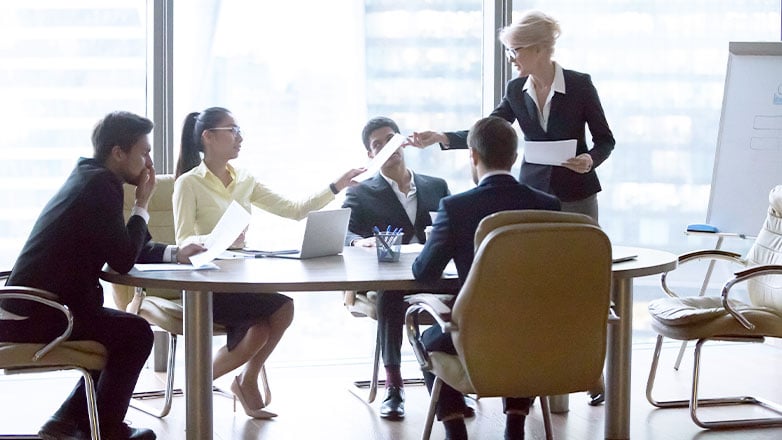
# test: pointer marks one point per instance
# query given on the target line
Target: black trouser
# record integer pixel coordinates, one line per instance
(128, 341)
(451, 401)
(391, 307)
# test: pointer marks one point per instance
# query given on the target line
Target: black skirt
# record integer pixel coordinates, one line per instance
(237, 312)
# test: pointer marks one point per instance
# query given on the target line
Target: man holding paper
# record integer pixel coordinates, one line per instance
(81, 229)
(551, 104)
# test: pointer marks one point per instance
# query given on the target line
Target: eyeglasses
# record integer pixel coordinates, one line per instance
(511, 54)
(235, 130)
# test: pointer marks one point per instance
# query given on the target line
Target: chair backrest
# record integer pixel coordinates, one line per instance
(502, 218)
(161, 227)
(161, 209)
(532, 313)
(766, 291)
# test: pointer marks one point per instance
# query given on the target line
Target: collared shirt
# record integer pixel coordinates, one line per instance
(494, 173)
(558, 86)
(200, 199)
(409, 201)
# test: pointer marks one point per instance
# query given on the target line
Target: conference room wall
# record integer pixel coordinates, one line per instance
(302, 77)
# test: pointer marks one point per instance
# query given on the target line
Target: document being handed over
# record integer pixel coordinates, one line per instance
(381, 157)
(549, 152)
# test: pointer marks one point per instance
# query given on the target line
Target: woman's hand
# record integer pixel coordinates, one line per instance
(425, 138)
(581, 164)
(239, 242)
(346, 179)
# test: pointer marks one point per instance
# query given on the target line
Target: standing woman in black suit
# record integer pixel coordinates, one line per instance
(550, 104)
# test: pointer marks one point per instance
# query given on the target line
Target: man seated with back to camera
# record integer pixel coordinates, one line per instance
(398, 197)
(492, 144)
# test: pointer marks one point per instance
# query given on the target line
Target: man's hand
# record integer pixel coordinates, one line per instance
(145, 187)
(365, 242)
(184, 254)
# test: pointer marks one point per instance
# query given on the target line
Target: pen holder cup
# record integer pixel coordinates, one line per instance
(388, 245)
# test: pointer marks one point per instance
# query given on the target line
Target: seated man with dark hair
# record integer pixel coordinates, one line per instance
(397, 197)
(81, 229)
(492, 143)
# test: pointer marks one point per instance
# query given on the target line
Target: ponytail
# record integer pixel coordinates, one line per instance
(190, 146)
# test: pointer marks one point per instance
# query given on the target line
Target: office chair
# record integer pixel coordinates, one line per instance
(56, 355)
(162, 308)
(533, 305)
(725, 318)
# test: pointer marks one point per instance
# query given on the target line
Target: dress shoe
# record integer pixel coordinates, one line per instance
(256, 413)
(58, 429)
(596, 399)
(393, 406)
(125, 432)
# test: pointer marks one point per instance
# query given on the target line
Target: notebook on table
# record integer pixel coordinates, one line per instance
(620, 255)
(324, 235)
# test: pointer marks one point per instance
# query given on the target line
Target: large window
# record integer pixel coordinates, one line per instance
(659, 66)
(63, 65)
(302, 77)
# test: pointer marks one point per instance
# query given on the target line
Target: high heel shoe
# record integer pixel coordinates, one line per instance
(258, 413)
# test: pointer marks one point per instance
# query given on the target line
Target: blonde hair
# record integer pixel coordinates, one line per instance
(534, 28)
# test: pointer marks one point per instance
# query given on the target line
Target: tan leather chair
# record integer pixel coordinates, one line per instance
(534, 304)
(162, 307)
(704, 318)
(59, 354)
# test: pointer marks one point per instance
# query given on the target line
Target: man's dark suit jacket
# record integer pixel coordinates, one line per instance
(454, 230)
(570, 112)
(81, 229)
(374, 203)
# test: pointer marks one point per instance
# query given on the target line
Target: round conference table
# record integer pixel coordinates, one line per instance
(355, 269)
(358, 269)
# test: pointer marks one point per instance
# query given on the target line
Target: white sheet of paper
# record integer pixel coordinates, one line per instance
(234, 220)
(549, 152)
(381, 157)
(150, 267)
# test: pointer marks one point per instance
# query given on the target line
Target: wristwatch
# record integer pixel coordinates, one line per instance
(333, 188)
(174, 253)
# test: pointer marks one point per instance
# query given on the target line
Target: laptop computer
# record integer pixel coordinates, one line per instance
(324, 235)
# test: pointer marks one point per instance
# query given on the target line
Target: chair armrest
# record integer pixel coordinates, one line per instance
(46, 298)
(742, 276)
(711, 254)
(349, 298)
(432, 305)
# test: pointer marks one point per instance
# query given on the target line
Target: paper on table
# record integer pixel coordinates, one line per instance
(549, 152)
(234, 220)
(381, 157)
